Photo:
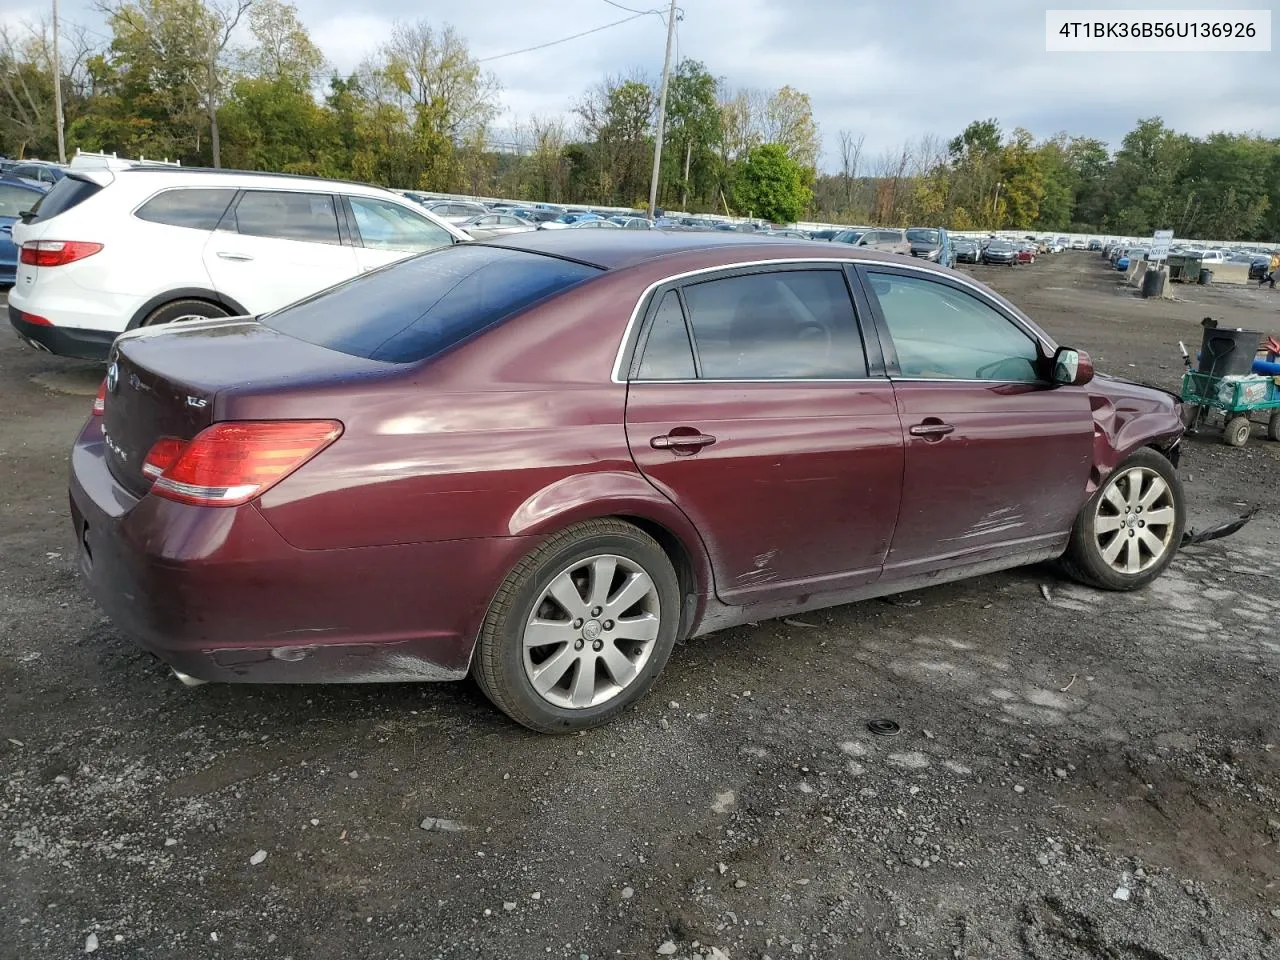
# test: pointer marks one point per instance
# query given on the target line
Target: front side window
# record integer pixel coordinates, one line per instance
(389, 226)
(200, 209)
(789, 324)
(942, 333)
(286, 215)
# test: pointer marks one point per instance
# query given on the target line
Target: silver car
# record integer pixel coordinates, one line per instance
(490, 225)
(456, 211)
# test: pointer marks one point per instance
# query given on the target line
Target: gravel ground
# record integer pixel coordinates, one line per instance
(1077, 775)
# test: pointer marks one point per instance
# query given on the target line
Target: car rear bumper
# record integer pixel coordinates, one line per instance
(72, 342)
(218, 595)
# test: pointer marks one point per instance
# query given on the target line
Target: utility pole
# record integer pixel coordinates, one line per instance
(662, 111)
(57, 88)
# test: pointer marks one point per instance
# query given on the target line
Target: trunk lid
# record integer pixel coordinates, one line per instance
(175, 381)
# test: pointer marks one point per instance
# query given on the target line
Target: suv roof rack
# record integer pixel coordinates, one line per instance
(89, 160)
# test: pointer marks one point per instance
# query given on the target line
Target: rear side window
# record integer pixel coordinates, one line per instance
(792, 324)
(389, 226)
(286, 215)
(200, 209)
(667, 354)
(68, 192)
(418, 308)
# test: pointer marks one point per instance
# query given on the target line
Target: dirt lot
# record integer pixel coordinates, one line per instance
(1087, 775)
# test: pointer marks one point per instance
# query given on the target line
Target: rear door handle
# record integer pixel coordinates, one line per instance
(237, 257)
(682, 442)
(932, 429)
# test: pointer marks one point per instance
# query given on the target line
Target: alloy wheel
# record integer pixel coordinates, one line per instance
(591, 632)
(1134, 521)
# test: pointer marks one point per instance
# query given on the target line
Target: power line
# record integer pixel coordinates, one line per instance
(630, 9)
(552, 43)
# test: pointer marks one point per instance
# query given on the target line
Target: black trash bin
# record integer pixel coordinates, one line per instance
(1206, 276)
(1227, 353)
(1153, 281)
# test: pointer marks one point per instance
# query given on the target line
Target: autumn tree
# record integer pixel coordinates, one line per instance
(788, 120)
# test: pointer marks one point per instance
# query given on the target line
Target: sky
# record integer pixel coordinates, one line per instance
(894, 71)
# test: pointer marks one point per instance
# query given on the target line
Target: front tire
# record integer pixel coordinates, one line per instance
(1130, 529)
(580, 629)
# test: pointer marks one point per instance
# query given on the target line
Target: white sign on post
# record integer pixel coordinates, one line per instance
(1160, 241)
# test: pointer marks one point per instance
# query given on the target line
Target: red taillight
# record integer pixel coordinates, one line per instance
(55, 253)
(231, 463)
(100, 401)
(32, 318)
(163, 455)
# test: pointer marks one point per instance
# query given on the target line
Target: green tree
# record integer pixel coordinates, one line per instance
(1227, 186)
(769, 183)
(689, 156)
(1022, 181)
(1144, 177)
(164, 77)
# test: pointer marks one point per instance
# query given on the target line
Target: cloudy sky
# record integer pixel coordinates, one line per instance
(893, 70)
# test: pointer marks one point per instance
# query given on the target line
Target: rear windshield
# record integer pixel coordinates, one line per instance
(420, 307)
(66, 193)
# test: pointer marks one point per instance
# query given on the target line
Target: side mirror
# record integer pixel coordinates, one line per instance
(1071, 367)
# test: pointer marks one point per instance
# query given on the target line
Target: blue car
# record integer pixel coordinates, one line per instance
(37, 171)
(15, 197)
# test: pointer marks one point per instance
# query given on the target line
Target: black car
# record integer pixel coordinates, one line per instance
(966, 251)
(999, 251)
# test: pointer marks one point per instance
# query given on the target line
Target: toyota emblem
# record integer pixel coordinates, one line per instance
(113, 377)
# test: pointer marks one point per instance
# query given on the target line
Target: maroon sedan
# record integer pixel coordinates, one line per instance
(543, 460)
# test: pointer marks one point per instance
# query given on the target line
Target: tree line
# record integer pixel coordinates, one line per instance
(240, 83)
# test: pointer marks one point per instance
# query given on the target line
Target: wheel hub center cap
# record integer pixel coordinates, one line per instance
(591, 630)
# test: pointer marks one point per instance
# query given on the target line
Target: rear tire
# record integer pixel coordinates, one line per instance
(1236, 432)
(561, 651)
(177, 311)
(1273, 426)
(1130, 529)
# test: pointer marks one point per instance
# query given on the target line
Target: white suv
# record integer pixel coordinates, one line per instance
(129, 245)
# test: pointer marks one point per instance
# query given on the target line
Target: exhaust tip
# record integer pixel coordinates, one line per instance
(187, 680)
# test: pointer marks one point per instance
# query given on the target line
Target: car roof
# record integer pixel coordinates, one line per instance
(285, 181)
(615, 250)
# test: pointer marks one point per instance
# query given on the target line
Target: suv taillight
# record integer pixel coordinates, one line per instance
(231, 463)
(55, 253)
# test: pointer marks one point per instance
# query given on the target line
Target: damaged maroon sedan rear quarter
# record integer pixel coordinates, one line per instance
(570, 449)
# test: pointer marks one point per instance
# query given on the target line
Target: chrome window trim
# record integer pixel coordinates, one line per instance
(908, 265)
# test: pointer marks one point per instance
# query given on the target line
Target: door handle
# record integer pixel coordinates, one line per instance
(237, 257)
(682, 442)
(931, 429)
